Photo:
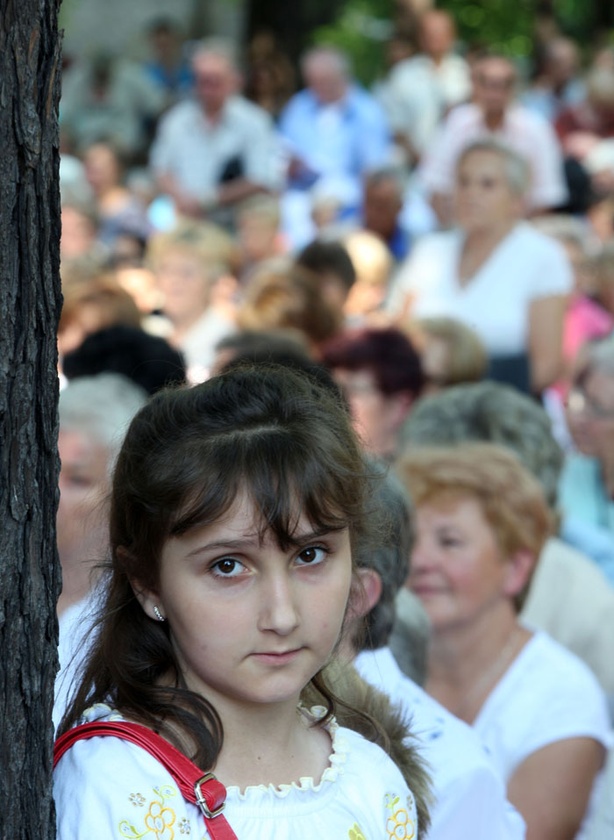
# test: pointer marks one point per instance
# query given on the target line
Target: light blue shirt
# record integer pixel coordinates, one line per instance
(338, 142)
(588, 522)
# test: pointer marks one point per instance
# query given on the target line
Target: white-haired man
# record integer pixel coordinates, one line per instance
(215, 149)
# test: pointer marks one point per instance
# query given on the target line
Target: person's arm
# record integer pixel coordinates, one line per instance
(546, 316)
(551, 788)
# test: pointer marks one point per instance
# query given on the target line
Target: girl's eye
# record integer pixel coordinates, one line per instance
(227, 567)
(312, 555)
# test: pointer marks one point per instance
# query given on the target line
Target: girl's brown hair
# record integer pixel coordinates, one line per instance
(269, 431)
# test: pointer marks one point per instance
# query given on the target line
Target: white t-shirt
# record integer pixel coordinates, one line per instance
(106, 788)
(194, 152)
(469, 794)
(525, 266)
(546, 695)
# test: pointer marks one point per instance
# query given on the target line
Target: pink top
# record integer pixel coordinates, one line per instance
(584, 320)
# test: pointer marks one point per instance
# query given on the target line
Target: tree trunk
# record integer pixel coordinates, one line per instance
(29, 311)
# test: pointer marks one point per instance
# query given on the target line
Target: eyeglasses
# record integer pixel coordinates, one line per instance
(579, 403)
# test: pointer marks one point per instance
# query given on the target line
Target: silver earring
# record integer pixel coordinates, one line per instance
(158, 614)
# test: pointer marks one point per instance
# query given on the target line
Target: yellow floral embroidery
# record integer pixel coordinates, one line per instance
(355, 833)
(399, 825)
(159, 820)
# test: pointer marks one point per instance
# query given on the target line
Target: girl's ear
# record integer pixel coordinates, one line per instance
(148, 599)
(365, 592)
(519, 568)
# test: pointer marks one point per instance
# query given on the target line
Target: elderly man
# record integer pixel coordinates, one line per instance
(494, 112)
(334, 132)
(216, 149)
(420, 89)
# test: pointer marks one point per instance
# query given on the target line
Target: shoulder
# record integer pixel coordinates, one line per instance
(543, 252)
(530, 120)
(121, 787)
(241, 109)
(462, 116)
(356, 759)
(365, 102)
(436, 246)
(564, 695)
(299, 103)
(186, 110)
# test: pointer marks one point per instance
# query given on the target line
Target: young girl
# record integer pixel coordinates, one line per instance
(234, 509)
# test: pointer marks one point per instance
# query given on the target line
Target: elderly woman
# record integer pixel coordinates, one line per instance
(495, 273)
(94, 413)
(587, 480)
(482, 520)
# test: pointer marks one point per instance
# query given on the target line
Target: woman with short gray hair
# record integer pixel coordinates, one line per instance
(494, 272)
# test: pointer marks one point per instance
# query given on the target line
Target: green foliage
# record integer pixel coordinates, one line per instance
(504, 25)
(360, 30)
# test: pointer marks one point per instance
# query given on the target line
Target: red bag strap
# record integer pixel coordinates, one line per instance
(201, 789)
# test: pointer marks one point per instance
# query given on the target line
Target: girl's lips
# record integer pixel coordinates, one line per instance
(277, 658)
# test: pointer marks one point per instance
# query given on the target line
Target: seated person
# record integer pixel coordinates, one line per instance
(332, 264)
(469, 797)
(148, 360)
(570, 598)
(194, 267)
(374, 267)
(94, 413)
(258, 235)
(494, 272)
(481, 523)
(587, 480)
(93, 300)
(450, 352)
(285, 296)
(214, 150)
(379, 372)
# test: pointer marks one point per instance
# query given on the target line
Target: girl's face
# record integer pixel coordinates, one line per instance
(252, 623)
(457, 569)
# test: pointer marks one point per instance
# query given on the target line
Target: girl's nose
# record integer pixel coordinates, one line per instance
(279, 612)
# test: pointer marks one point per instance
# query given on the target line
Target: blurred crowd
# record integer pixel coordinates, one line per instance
(442, 245)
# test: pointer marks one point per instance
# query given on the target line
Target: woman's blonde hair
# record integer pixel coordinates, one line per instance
(209, 244)
(466, 357)
(510, 498)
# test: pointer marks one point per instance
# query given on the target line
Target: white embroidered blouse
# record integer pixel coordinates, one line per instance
(109, 789)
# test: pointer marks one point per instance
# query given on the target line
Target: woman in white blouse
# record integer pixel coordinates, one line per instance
(494, 272)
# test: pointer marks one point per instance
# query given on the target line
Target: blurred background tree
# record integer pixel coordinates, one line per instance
(362, 26)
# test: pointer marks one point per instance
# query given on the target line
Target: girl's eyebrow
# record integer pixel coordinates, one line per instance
(245, 542)
(252, 540)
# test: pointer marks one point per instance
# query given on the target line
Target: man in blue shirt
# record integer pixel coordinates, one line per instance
(334, 132)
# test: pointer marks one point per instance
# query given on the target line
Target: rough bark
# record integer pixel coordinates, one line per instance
(29, 310)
